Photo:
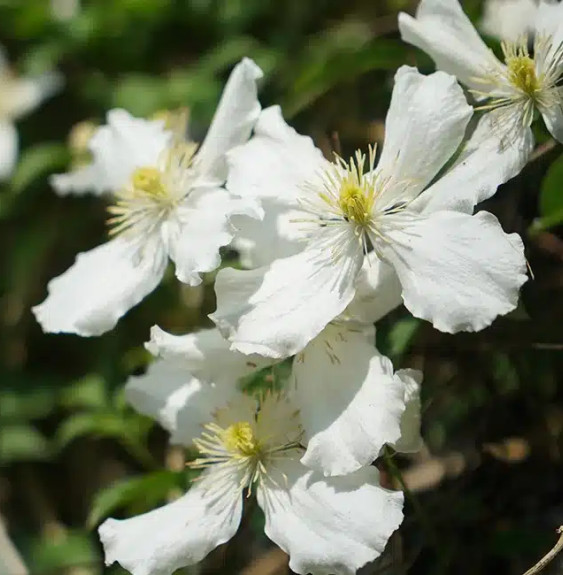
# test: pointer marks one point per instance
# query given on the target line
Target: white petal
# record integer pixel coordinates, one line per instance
(275, 163)
(350, 402)
(549, 23)
(276, 310)
(8, 149)
(276, 236)
(234, 119)
(425, 124)
(410, 440)
(101, 286)
(328, 525)
(178, 534)
(446, 34)
(181, 403)
(22, 95)
(199, 228)
(458, 271)
(488, 159)
(378, 291)
(509, 19)
(118, 148)
(553, 116)
(205, 354)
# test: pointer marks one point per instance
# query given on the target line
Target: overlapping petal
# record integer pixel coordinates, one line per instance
(350, 402)
(276, 310)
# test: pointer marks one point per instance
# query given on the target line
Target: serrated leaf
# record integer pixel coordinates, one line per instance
(36, 162)
(20, 442)
(145, 491)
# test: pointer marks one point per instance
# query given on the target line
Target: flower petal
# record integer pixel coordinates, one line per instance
(328, 525)
(458, 271)
(553, 116)
(118, 148)
(489, 158)
(101, 286)
(349, 400)
(181, 403)
(445, 33)
(261, 241)
(509, 19)
(549, 23)
(425, 124)
(205, 354)
(20, 96)
(234, 119)
(276, 310)
(199, 228)
(8, 149)
(275, 162)
(180, 533)
(410, 440)
(378, 291)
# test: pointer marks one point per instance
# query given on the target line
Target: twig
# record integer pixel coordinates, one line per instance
(549, 557)
(543, 150)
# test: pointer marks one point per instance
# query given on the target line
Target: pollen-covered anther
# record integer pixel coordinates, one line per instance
(521, 68)
(239, 438)
(354, 203)
(149, 181)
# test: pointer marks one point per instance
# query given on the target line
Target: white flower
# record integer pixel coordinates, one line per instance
(351, 402)
(326, 526)
(169, 203)
(513, 90)
(456, 270)
(509, 19)
(18, 97)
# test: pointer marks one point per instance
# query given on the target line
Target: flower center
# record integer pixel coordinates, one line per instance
(239, 439)
(355, 203)
(148, 181)
(521, 68)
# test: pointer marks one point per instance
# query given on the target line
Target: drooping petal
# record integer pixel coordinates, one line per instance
(509, 19)
(118, 148)
(328, 525)
(425, 124)
(180, 533)
(457, 271)
(275, 163)
(446, 34)
(234, 119)
(8, 149)
(553, 115)
(489, 158)
(349, 400)
(101, 286)
(206, 354)
(200, 228)
(22, 95)
(410, 440)
(181, 403)
(276, 310)
(276, 236)
(378, 291)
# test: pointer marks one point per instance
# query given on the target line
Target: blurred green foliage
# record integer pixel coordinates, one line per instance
(72, 452)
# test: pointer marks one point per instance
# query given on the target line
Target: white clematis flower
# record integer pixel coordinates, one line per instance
(18, 97)
(326, 526)
(169, 203)
(456, 270)
(509, 19)
(514, 90)
(351, 402)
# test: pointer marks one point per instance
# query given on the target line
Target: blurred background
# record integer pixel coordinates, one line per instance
(485, 494)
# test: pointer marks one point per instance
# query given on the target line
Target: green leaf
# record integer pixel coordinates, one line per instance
(88, 392)
(400, 336)
(20, 442)
(143, 492)
(551, 196)
(36, 162)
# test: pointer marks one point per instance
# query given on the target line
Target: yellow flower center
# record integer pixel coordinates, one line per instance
(355, 203)
(239, 438)
(149, 182)
(521, 68)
